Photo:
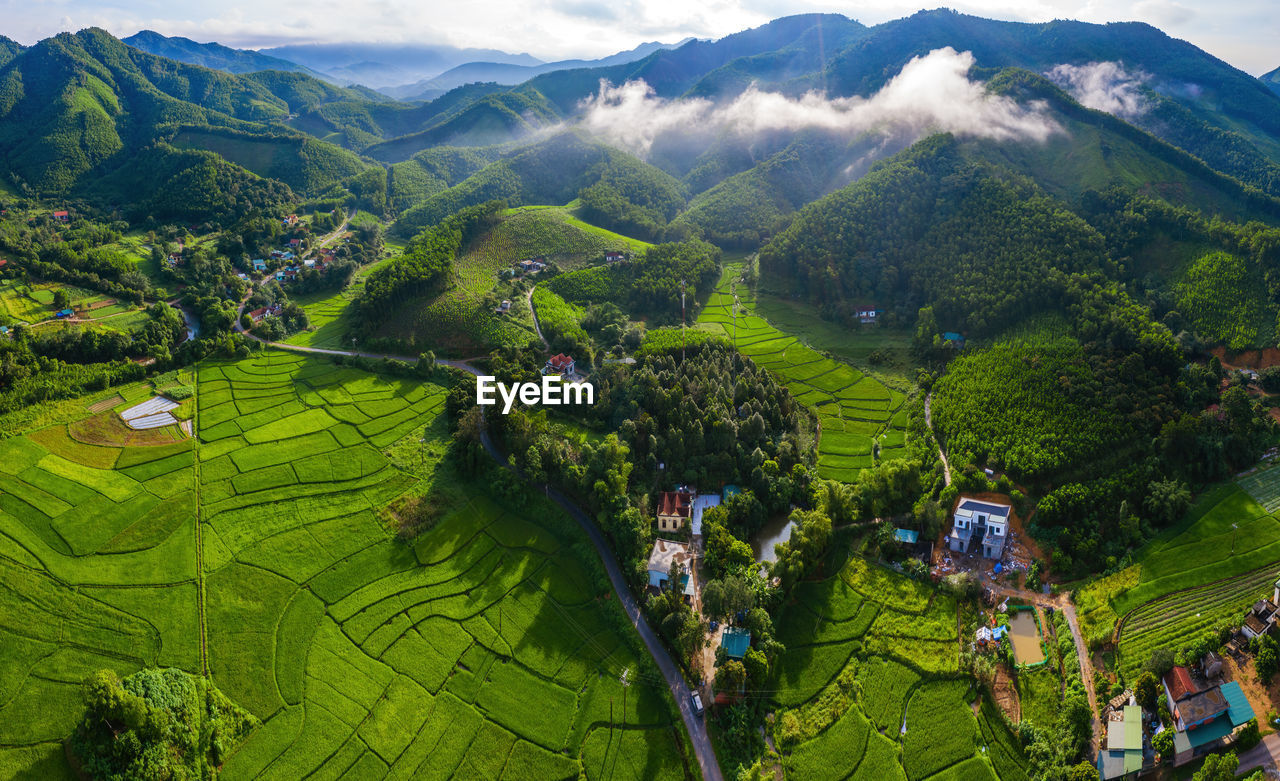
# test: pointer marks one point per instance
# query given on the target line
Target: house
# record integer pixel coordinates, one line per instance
(953, 339)
(1121, 756)
(309, 263)
(276, 254)
(980, 527)
(674, 508)
(504, 307)
(63, 313)
(1205, 720)
(1263, 616)
(280, 275)
(559, 364)
(174, 259)
(295, 243)
(62, 216)
(613, 257)
(290, 274)
(664, 555)
(526, 266)
(735, 641)
(286, 255)
(257, 314)
(259, 264)
(867, 314)
(289, 221)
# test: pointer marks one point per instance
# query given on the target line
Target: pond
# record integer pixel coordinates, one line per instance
(774, 531)
(1024, 633)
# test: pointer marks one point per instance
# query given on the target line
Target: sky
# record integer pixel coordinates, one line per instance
(1241, 32)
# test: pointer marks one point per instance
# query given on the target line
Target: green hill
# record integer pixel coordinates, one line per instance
(556, 170)
(76, 110)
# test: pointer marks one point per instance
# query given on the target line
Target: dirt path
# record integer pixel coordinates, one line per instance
(928, 421)
(537, 327)
(1062, 603)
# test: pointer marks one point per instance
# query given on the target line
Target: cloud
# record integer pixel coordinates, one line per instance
(1105, 86)
(932, 93)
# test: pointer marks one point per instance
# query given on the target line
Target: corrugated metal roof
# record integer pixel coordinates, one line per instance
(1239, 709)
(735, 642)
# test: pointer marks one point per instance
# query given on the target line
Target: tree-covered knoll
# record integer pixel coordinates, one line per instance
(932, 227)
(650, 284)
(556, 170)
(1225, 300)
(157, 724)
(426, 261)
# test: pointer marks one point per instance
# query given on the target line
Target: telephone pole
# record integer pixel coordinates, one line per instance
(626, 684)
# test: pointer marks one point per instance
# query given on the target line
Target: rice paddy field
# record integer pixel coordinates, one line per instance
(856, 412)
(1223, 557)
(258, 553)
(909, 714)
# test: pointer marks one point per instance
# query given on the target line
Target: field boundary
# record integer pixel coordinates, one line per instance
(1115, 635)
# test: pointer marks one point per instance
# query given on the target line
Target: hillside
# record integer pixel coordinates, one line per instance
(101, 107)
(557, 170)
(211, 55)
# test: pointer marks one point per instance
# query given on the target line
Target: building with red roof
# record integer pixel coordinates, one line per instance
(559, 364)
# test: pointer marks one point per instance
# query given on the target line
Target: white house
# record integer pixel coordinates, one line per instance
(980, 527)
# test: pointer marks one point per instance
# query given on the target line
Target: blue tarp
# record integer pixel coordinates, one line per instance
(908, 536)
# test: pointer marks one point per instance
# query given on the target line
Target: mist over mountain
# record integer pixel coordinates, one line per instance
(212, 55)
(389, 65)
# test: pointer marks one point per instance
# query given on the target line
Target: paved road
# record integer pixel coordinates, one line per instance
(1265, 754)
(696, 726)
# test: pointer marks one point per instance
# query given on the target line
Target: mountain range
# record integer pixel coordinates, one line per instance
(1131, 106)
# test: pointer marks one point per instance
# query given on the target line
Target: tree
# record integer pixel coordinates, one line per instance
(1163, 744)
(1265, 661)
(1083, 771)
(731, 676)
(1218, 767)
(1160, 662)
(60, 299)
(1146, 689)
(1167, 500)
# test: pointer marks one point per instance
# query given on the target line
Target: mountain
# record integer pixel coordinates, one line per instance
(87, 114)
(510, 74)
(212, 55)
(388, 65)
(1271, 79)
(9, 49)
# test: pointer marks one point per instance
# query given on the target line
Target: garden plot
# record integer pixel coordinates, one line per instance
(853, 410)
(1264, 486)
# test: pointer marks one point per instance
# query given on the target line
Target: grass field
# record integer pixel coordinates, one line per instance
(33, 303)
(869, 651)
(482, 648)
(1222, 557)
(855, 411)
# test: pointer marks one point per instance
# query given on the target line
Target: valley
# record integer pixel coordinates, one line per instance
(916, 445)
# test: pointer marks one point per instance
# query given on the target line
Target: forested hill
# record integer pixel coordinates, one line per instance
(933, 226)
(77, 111)
(8, 50)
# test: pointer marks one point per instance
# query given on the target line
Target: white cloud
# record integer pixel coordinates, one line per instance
(1105, 86)
(932, 93)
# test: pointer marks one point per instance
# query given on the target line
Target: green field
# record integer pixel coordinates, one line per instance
(855, 411)
(869, 651)
(481, 648)
(1221, 558)
(33, 303)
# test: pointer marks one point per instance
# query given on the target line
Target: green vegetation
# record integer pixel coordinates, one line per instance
(157, 723)
(856, 413)
(1225, 302)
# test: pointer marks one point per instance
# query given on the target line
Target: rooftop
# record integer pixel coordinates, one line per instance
(975, 506)
(668, 552)
(1178, 682)
(735, 641)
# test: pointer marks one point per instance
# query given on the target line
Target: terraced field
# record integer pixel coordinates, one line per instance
(483, 648)
(1171, 621)
(1264, 486)
(856, 412)
(898, 640)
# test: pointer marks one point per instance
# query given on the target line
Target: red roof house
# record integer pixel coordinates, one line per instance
(1179, 684)
(559, 364)
(62, 216)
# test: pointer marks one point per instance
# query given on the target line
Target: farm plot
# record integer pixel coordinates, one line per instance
(479, 649)
(898, 641)
(856, 413)
(1264, 486)
(1176, 619)
(97, 571)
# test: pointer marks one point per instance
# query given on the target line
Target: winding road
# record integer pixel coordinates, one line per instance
(679, 688)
